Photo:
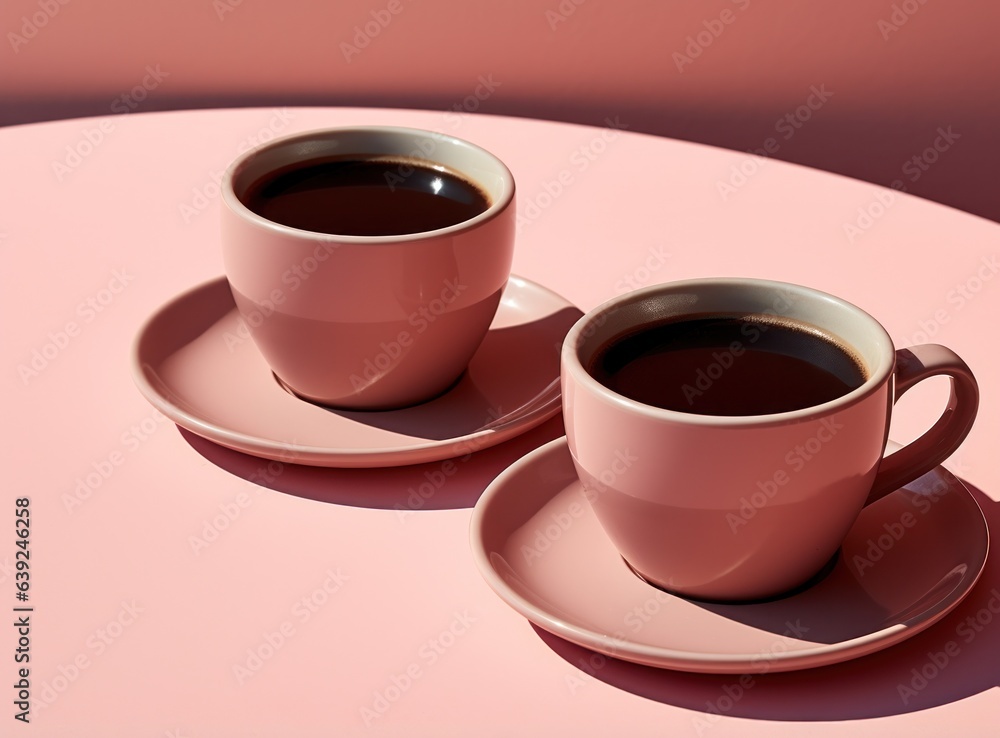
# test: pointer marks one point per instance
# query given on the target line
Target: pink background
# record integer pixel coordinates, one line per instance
(169, 671)
(574, 60)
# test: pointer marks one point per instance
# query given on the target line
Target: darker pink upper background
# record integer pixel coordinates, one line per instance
(893, 85)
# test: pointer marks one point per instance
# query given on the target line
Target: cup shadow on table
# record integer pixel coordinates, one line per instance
(453, 483)
(524, 353)
(908, 677)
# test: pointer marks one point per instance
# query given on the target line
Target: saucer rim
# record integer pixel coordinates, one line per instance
(694, 661)
(542, 408)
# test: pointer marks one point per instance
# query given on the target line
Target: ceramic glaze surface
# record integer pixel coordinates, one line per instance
(533, 532)
(194, 361)
(740, 508)
(369, 322)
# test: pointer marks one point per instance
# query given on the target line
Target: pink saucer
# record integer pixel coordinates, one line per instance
(195, 362)
(909, 559)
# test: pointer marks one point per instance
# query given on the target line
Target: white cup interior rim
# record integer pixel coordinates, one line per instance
(858, 331)
(467, 159)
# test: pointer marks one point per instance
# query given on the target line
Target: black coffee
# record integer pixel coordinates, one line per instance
(365, 197)
(728, 365)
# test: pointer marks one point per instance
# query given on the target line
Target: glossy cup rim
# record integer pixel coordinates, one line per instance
(879, 374)
(238, 165)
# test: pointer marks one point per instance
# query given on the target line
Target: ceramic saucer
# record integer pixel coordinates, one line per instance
(194, 361)
(909, 559)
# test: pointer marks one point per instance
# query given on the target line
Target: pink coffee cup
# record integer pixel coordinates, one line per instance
(368, 321)
(735, 508)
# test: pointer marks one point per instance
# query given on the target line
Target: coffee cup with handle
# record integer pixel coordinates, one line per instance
(719, 458)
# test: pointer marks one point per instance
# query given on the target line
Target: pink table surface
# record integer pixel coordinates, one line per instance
(138, 632)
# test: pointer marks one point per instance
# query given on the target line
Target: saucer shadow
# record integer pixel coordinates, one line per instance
(953, 659)
(523, 355)
(438, 485)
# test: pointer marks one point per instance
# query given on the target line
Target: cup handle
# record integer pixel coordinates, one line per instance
(913, 365)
